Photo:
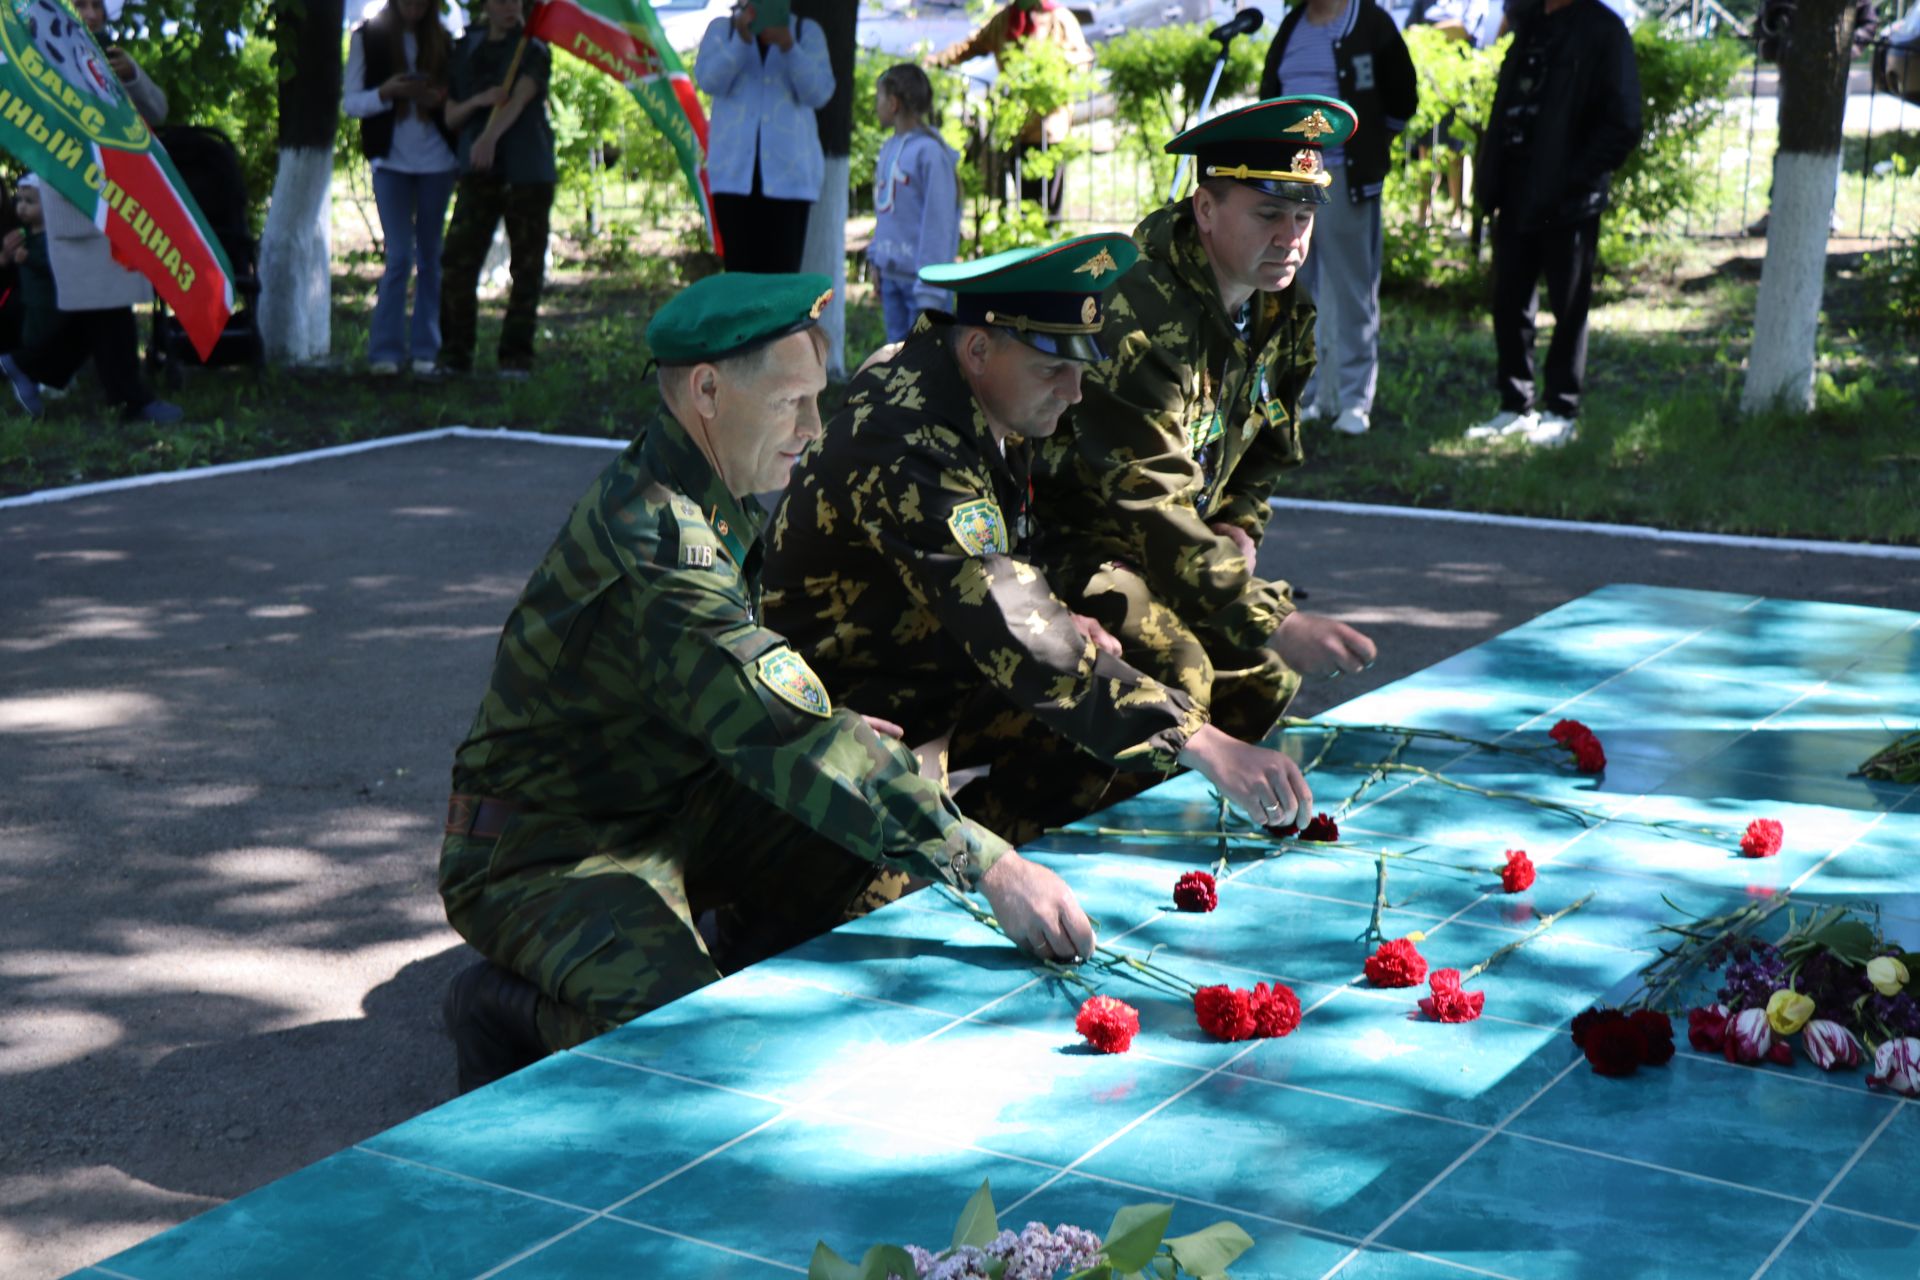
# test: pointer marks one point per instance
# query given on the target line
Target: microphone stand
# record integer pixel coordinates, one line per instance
(1246, 22)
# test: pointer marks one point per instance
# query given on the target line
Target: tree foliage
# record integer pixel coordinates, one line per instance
(1158, 76)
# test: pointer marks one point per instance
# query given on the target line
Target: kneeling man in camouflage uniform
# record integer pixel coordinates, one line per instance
(1156, 486)
(901, 563)
(649, 757)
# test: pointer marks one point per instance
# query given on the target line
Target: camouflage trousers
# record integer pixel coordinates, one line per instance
(1245, 691)
(478, 206)
(603, 916)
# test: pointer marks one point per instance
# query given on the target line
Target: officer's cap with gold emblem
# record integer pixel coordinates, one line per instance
(734, 312)
(1049, 298)
(1275, 145)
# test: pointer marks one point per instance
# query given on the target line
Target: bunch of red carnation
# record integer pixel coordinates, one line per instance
(1618, 1043)
(1196, 891)
(1228, 1013)
(1588, 756)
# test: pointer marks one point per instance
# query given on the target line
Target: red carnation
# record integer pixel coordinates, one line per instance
(1224, 1014)
(1282, 833)
(1449, 1003)
(1276, 1010)
(1656, 1030)
(1707, 1028)
(1567, 732)
(1615, 1045)
(1762, 839)
(1397, 964)
(1517, 875)
(1323, 828)
(1587, 755)
(1195, 891)
(1108, 1024)
(1585, 1022)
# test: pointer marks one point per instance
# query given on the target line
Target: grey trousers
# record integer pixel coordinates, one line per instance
(1342, 274)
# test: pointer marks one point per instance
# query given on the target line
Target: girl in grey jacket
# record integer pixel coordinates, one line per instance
(916, 200)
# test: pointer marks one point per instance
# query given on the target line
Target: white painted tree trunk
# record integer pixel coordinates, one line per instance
(826, 252)
(1786, 324)
(296, 306)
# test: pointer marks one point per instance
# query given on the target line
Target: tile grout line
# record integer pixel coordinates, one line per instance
(1833, 1184)
(476, 1179)
(709, 1244)
(1445, 1173)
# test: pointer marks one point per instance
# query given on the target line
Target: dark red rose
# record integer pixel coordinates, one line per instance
(1517, 875)
(1615, 1046)
(1397, 964)
(1323, 828)
(1587, 755)
(1763, 838)
(1195, 891)
(1276, 1010)
(1707, 1028)
(1448, 1003)
(1108, 1024)
(1223, 1013)
(1656, 1031)
(1568, 731)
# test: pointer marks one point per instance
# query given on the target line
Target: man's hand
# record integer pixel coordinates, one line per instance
(885, 728)
(1316, 645)
(122, 65)
(743, 22)
(480, 155)
(1090, 629)
(1266, 785)
(1037, 910)
(780, 38)
(1240, 538)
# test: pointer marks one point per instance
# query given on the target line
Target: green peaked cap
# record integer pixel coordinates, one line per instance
(732, 313)
(1275, 145)
(1049, 298)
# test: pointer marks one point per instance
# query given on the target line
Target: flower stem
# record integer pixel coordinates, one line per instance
(1546, 923)
(1107, 959)
(1436, 735)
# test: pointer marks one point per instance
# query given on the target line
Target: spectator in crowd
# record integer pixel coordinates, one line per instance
(1350, 50)
(916, 199)
(1053, 23)
(95, 295)
(1566, 114)
(1476, 22)
(25, 251)
(497, 104)
(767, 76)
(396, 87)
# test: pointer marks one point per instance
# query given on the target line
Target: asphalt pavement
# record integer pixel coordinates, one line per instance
(227, 711)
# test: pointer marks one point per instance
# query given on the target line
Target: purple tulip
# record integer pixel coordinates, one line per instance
(1830, 1045)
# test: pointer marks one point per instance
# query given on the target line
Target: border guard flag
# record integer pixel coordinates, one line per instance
(64, 115)
(623, 39)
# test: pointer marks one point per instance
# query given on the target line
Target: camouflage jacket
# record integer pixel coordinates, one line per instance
(633, 669)
(897, 565)
(1186, 425)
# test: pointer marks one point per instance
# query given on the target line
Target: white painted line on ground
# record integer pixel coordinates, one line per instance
(1808, 546)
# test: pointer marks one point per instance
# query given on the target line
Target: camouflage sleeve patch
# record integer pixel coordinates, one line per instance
(979, 528)
(787, 676)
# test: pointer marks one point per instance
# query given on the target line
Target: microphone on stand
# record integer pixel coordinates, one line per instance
(1243, 23)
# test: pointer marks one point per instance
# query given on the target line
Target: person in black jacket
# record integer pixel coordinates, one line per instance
(1350, 50)
(1566, 114)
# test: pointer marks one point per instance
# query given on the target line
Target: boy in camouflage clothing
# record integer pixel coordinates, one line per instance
(1156, 488)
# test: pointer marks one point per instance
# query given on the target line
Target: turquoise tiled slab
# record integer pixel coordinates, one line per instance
(860, 1086)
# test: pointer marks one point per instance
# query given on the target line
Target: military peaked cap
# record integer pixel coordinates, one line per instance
(734, 312)
(1049, 298)
(1274, 145)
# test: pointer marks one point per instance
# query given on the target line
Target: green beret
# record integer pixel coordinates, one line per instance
(732, 313)
(1273, 145)
(1049, 297)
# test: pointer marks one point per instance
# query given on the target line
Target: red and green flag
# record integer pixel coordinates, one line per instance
(64, 115)
(623, 39)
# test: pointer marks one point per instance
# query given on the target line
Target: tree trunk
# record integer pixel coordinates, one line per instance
(826, 250)
(1813, 101)
(295, 246)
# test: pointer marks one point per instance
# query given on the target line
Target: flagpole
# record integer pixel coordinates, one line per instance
(513, 71)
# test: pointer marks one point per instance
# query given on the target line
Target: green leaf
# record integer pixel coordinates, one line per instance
(885, 1260)
(828, 1265)
(1135, 1235)
(1851, 941)
(1098, 1271)
(978, 1223)
(1209, 1252)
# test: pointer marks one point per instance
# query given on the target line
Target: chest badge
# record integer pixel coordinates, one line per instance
(788, 677)
(979, 528)
(697, 557)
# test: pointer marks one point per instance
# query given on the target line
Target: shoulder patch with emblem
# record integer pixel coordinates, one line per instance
(978, 528)
(789, 678)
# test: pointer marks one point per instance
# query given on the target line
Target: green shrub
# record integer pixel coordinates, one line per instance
(1157, 77)
(1894, 274)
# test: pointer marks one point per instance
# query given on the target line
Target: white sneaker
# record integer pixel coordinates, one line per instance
(1352, 422)
(1550, 431)
(1312, 413)
(425, 368)
(1504, 423)
(384, 368)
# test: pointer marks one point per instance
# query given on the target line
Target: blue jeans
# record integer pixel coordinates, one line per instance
(897, 305)
(413, 215)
